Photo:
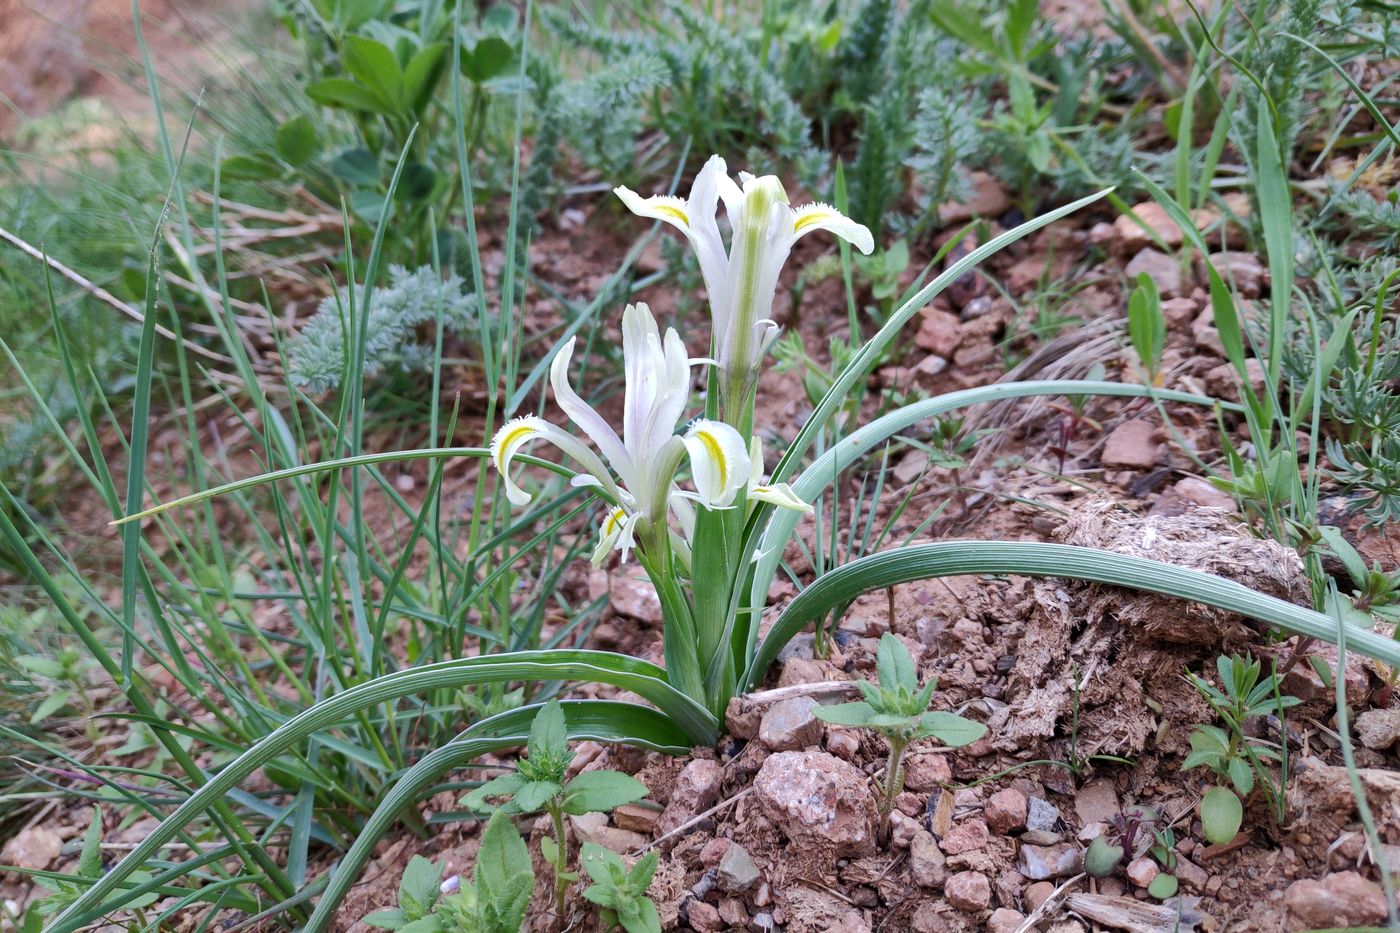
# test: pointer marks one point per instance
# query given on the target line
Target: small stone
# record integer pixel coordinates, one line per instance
(803, 671)
(971, 836)
(1192, 876)
(1199, 492)
(987, 199)
(910, 803)
(1041, 837)
(703, 918)
(713, 851)
(1223, 381)
(732, 912)
(762, 922)
(790, 725)
(696, 790)
(742, 718)
(939, 332)
(1344, 899)
(1097, 802)
(819, 801)
(1038, 894)
(926, 772)
(33, 849)
(842, 744)
(903, 829)
(929, 918)
(1133, 236)
(926, 861)
(1042, 815)
(594, 828)
(1178, 313)
(697, 786)
(969, 891)
(1204, 333)
(1378, 728)
(1141, 871)
(1005, 920)
(1132, 445)
(1162, 269)
(1006, 811)
(737, 871)
(1041, 863)
(1244, 270)
(636, 818)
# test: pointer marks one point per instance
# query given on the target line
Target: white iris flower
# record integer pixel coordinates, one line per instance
(647, 456)
(742, 282)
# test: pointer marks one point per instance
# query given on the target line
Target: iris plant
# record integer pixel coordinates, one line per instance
(685, 491)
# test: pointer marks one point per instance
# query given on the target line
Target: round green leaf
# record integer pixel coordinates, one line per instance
(1221, 814)
(357, 167)
(1163, 886)
(1102, 857)
(298, 140)
(489, 59)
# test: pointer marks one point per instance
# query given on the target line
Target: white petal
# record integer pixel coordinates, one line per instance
(513, 435)
(583, 414)
(615, 534)
(517, 432)
(663, 207)
(719, 462)
(755, 461)
(811, 217)
(779, 494)
(711, 184)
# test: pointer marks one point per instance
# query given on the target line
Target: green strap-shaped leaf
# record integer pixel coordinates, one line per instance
(952, 558)
(693, 725)
(826, 468)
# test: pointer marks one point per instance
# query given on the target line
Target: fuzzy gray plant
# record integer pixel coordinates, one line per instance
(412, 298)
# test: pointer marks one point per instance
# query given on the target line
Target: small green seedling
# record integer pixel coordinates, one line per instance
(1237, 759)
(90, 869)
(494, 901)
(68, 671)
(1375, 593)
(1147, 328)
(1107, 852)
(1164, 851)
(898, 710)
(621, 891)
(540, 784)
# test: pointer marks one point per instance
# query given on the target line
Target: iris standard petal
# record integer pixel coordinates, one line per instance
(583, 414)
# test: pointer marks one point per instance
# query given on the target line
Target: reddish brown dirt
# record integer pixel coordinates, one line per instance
(53, 50)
